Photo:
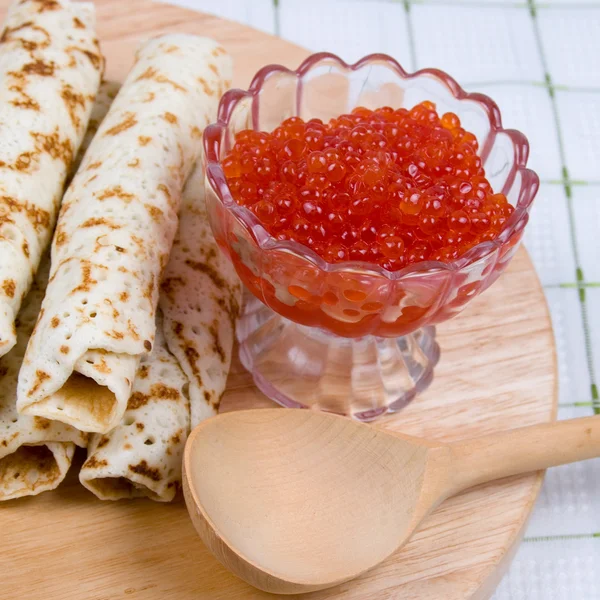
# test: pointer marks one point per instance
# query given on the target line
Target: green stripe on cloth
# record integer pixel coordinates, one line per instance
(580, 404)
(572, 536)
(582, 284)
(411, 36)
(276, 24)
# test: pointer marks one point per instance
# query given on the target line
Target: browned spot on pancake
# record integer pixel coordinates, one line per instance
(149, 97)
(163, 259)
(140, 426)
(6, 219)
(87, 281)
(40, 377)
(118, 192)
(149, 73)
(128, 121)
(218, 51)
(149, 291)
(176, 437)
(115, 312)
(77, 23)
(25, 101)
(155, 212)
(39, 67)
(136, 400)
(205, 87)
(73, 101)
(93, 463)
(127, 446)
(189, 350)
(211, 254)
(41, 423)
(134, 163)
(139, 242)
(217, 280)
(148, 345)
(213, 329)
(168, 286)
(143, 469)
(25, 247)
(164, 79)
(47, 5)
(132, 330)
(213, 68)
(207, 396)
(173, 484)
(64, 349)
(61, 237)
(94, 165)
(94, 57)
(54, 322)
(144, 140)
(102, 367)
(97, 221)
(196, 132)
(143, 371)
(124, 296)
(164, 392)
(23, 161)
(38, 217)
(161, 187)
(121, 250)
(103, 441)
(56, 147)
(115, 335)
(9, 286)
(170, 117)
(28, 45)
(192, 355)
(169, 49)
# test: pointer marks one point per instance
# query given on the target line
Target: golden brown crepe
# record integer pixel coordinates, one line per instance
(50, 69)
(35, 453)
(114, 235)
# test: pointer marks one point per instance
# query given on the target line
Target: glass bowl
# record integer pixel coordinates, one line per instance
(351, 337)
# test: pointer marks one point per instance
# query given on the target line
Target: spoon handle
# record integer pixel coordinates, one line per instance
(523, 450)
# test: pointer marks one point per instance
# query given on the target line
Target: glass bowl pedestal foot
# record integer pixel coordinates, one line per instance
(305, 367)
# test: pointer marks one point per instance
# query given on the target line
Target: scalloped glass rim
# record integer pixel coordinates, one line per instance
(214, 134)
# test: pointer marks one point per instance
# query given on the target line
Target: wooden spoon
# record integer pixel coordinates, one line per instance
(293, 501)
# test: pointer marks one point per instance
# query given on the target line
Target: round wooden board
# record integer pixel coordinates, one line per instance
(497, 371)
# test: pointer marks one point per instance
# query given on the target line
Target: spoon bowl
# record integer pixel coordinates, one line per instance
(295, 501)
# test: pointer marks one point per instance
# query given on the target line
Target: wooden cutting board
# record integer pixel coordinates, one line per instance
(497, 371)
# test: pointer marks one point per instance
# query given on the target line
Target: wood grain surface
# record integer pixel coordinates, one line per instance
(497, 371)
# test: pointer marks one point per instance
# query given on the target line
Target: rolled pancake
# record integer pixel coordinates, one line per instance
(50, 69)
(35, 453)
(114, 235)
(141, 456)
(200, 300)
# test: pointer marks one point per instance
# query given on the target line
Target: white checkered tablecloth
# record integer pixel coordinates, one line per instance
(540, 61)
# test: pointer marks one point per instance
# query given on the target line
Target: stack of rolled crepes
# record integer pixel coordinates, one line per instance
(103, 366)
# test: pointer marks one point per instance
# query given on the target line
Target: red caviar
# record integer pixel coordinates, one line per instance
(390, 187)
